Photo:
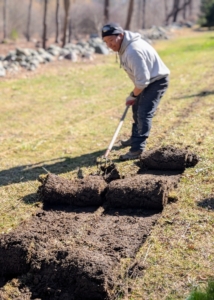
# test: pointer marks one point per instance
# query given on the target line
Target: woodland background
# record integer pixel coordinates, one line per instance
(66, 19)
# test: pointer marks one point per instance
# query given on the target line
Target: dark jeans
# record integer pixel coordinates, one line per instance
(143, 112)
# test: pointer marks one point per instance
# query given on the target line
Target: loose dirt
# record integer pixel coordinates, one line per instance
(74, 246)
(73, 254)
(110, 172)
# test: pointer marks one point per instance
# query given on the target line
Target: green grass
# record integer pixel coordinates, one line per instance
(65, 117)
(206, 294)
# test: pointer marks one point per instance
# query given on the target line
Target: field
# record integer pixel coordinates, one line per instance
(62, 117)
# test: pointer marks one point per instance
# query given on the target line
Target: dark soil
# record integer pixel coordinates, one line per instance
(141, 191)
(110, 172)
(80, 192)
(72, 254)
(168, 158)
(72, 249)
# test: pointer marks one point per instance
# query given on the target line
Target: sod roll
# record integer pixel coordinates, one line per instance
(140, 191)
(80, 192)
(168, 158)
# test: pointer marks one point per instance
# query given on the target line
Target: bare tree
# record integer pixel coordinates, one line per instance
(176, 9)
(66, 7)
(106, 11)
(57, 22)
(45, 24)
(5, 20)
(70, 25)
(190, 8)
(144, 14)
(70, 30)
(129, 16)
(166, 9)
(184, 10)
(139, 9)
(29, 20)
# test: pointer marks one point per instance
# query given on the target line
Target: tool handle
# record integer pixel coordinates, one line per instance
(116, 132)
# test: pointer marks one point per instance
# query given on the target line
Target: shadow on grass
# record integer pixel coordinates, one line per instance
(201, 94)
(207, 203)
(56, 166)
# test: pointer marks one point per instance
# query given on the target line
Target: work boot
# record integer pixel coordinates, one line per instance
(130, 155)
(126, 143)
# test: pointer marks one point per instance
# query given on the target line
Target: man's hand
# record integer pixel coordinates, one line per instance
(130, 100)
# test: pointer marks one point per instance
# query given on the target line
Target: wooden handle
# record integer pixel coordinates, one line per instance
(116, 132)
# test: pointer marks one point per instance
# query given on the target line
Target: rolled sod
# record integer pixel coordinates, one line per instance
(168, 158)
(140, 191)
(80, 192)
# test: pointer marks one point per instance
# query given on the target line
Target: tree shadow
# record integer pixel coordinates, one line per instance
(201, 94)
(207, 203)
(57, 166)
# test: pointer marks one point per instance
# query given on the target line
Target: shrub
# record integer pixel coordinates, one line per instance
(14, 35)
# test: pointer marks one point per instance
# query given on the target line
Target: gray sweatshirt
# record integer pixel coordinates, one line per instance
(140, 60)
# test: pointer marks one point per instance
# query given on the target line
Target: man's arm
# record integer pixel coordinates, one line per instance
(137, 91)
(130, 100)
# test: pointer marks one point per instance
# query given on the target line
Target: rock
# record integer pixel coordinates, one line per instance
(154, 33)
(21, 52)
(2, 70)
(31, 58)
(71, 56)
(54, 50)
(101, 49)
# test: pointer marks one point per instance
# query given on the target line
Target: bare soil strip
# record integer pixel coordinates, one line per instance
(70, 252)
(73, 253)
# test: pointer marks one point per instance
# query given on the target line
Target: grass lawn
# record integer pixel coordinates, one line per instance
(64, 116)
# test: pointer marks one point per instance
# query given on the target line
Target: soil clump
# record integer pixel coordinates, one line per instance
(110, 172)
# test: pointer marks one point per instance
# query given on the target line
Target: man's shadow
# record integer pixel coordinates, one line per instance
(204, 93)
(57, 166)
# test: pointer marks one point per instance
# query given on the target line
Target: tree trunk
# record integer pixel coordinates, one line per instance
(184, 10)
(106, 11)
(139, 13)
(57, 22)
(69, 31)
(29, 20)
(144, 14)
(129, 16)
(190, 8)
(166, 10)
(45, 24)
(66, 7)
(176, 9)
(5, 20)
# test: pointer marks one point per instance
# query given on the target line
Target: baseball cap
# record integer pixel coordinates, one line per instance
(111, 29)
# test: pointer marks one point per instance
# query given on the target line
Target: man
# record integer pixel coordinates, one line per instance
(149, 75)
